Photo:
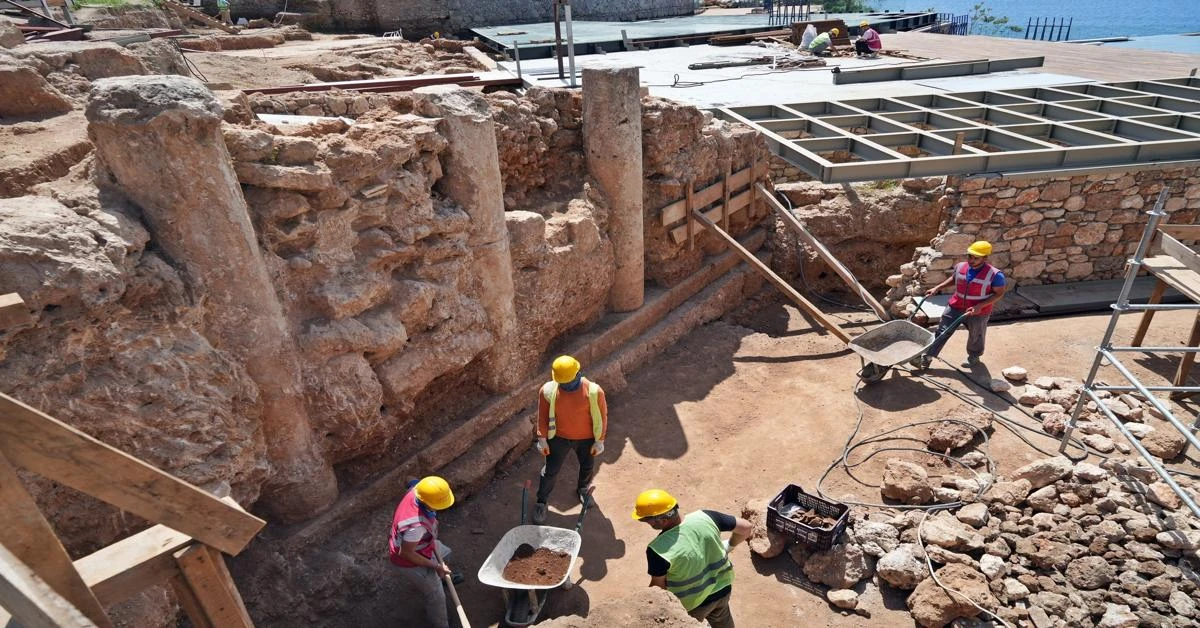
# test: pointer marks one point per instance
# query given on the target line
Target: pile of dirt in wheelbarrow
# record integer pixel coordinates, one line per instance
(541, 566)
(651, 606)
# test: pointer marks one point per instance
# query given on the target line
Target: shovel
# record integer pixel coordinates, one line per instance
(462, 615)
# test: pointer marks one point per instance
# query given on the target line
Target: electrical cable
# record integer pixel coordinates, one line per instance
(933, 574)
(188, 62)
(804, 280)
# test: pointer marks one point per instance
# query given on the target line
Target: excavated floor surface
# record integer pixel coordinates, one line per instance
(737, 410)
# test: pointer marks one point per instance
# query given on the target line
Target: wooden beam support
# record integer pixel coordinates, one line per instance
(1180, 251)
(127, 567)
(1156, 296)
(726, 188)
(775, 280)
(790, 219)
(691, 224)
(62, 453)
(1185, 363)
(706, 196)
(204, 570)
(31, 540)
(13, 311)
(188, 602)
(740, 200)
(32, 602)
(187, 13)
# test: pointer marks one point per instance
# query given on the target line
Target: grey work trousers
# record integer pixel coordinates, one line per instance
(976, 332)
(715, 613)
(426, 583)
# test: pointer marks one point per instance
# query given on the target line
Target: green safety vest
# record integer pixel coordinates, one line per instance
(550, 392)
(699, 567)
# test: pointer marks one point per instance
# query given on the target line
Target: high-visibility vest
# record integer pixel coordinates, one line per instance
(550, 392)
(409, 515)
(699, 566)
(969, 293)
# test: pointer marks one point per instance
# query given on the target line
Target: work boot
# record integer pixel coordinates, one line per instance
(971, 362)
(539, 513)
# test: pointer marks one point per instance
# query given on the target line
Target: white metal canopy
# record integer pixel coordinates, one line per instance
(1077, 127)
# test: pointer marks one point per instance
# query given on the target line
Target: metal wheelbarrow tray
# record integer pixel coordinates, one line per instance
(523, 602)
(889, 344)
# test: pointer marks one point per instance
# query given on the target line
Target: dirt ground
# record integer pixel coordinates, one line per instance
(740, 408)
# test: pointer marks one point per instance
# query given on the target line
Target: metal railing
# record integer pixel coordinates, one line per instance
(1049, 28)
(951, 24)
(1106, 352)
(787, 11)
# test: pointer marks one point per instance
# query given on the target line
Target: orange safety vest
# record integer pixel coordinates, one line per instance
(969, 293)
(409, 515)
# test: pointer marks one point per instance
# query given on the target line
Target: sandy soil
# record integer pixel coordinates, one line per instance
(740, 408)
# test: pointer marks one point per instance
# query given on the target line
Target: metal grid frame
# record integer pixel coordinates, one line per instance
(1106, 352)
(1065, 128)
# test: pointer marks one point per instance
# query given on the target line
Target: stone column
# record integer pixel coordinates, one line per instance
(160, 138)
(471, 178)
(612, 143)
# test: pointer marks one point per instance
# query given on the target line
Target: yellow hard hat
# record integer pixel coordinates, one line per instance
(864, 24)
(565, 368)
(980, 248)
(834, 32)
(435, 492)
(653, 503)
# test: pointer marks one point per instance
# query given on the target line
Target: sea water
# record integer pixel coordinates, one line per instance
(1092, 18)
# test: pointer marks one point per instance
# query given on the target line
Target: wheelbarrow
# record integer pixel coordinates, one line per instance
(892, 343)
(524, 602)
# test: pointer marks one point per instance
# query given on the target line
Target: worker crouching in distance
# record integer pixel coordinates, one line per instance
(977, 286)
(572, 417)
(822, 45)
(689, 558)
(413, 545)
(868, 43)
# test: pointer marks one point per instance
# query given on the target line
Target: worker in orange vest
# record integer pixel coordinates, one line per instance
(977, 286)
(572, 417)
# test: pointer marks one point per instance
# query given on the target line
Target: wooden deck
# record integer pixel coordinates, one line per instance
(1094, 62)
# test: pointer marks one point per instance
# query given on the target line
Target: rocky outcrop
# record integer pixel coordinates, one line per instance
(24, 92)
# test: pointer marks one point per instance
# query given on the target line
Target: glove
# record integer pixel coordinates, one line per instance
(543, 447)
(725, 543)
(597, 448)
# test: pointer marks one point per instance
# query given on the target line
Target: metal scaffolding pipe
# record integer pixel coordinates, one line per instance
(1141, 307)
(1154, 388)
(1162, 471)
(570, 42)
(1166, 412)
(1156, 349)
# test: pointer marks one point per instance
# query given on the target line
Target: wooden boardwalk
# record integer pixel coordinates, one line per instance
(1094, 62)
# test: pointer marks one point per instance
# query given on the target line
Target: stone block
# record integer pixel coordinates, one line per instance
(1056, 191)
(23, 92)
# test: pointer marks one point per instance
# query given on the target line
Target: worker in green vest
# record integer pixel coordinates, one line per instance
(689, 558)
(572, 417)
(223, 7)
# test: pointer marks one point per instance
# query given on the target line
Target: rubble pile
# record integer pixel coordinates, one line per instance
(1056, 542)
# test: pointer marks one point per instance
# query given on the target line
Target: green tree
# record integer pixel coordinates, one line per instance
(847, 6)
(984, 22)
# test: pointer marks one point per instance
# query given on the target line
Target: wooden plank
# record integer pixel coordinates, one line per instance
(691, 224)
(204, 569)
(726, 189)
(27, 534)
(790, 219)
(775, 280)
(117, 572)
(680, 234)
(1160, 287)
(677, 211)
(13, 311)
(199, 17)
(1181, 252)
(62, 453)
(188, 602)
(32, 602)
(1185, 363)
(1175, 274)
(1182, 232)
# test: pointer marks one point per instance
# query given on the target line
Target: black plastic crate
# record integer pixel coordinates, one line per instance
(816, 538)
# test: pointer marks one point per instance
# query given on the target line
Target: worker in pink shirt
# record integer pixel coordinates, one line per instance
(868, 43)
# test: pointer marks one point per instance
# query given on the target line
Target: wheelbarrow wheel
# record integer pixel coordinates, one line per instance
(872, 373)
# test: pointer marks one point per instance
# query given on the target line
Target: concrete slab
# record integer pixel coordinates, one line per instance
(665, 71)
(1089, 296)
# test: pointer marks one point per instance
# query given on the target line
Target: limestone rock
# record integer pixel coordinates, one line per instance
(1033, 395)
(24, 92)
(1046, 408)
(1015, 374)
(1008, 493)
(903, 567)
(1087, 472)
(992, 566)
(1182, 603)
(842, 598)
(975, 515)
(93, 59)
(1118, 616)
(1102, 444)
(1045, 383)
(1139, 430)
(876, 539)
(906, 482)
(1162, 494)
(763, 542)
(1179, 539)
(1043, 472)
(943, 556)
(1044, 499)
(1090, 572)
(998, 385)
(10, 35)
(1055, 422)
(933, 607)
(311, 178)
(946, 531)
(839, 567)
(1165, 441)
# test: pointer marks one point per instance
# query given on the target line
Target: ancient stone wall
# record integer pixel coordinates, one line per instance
(421, 17)
(1050, 230)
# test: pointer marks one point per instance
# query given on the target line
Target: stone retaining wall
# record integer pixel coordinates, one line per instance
(1049, 230)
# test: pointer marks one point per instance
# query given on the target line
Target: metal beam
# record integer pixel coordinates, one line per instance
(934, 70)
